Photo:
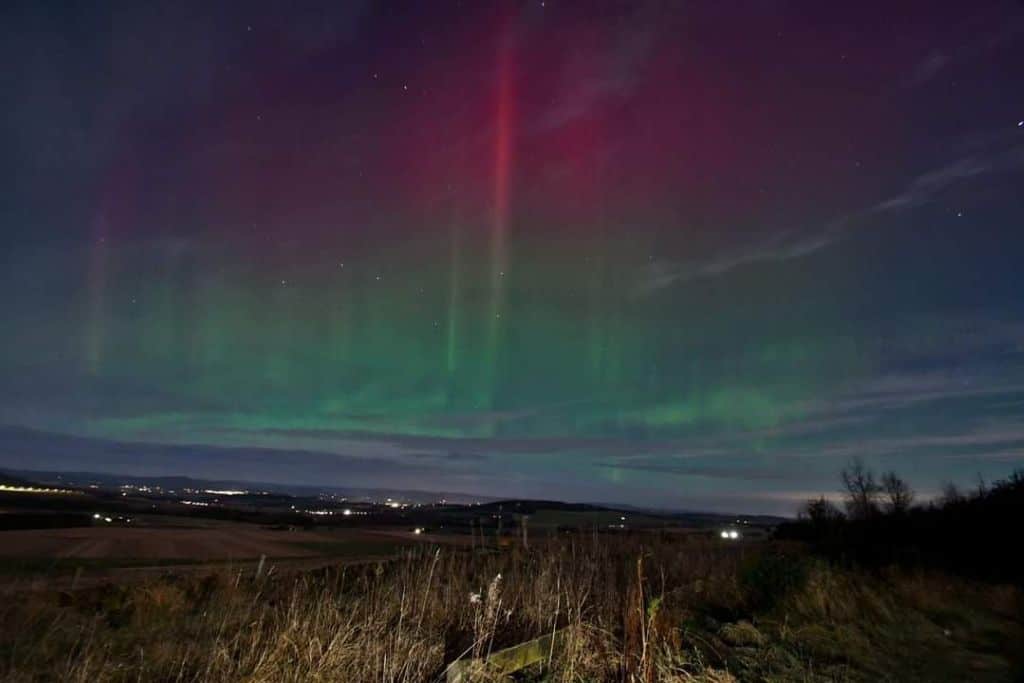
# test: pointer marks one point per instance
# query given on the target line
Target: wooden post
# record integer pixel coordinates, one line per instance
(507, 661)
(259, 567)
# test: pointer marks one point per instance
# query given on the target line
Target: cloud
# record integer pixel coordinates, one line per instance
(585, 86)
(469, 445)
(494, 418)
(32, 449)
(927, 185)
(896, 392)
(779, 247)
(936, 62)
(1005, 153)
(746, 472)
(590, 77)
(927, 69)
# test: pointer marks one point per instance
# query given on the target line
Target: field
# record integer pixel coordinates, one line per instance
(424, 592)
(142, 544)
(629, 607)
(59, 558)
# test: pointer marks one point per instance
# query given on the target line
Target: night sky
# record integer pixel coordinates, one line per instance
(683, 254)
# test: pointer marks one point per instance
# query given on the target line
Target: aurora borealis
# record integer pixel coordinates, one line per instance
(693, 255)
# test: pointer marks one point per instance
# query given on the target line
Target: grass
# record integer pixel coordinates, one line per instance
(639, 608)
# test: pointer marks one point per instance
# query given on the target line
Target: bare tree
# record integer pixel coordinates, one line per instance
(820, 511)
(899, 496)
(982, 487)
(862, 491)
(951, 494)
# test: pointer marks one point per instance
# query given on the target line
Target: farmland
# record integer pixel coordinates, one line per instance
(87, 531)
(140, 586)
(643, 606)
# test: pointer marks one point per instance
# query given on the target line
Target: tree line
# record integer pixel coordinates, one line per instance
(882, 523)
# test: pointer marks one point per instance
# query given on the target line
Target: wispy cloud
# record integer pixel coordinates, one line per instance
(928, 68)
(1005, 153)
(936, 62)
(745, 472)
(590, 77)
(779, 247)
(47, 450)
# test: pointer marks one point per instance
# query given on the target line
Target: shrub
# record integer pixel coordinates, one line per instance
(769, 577)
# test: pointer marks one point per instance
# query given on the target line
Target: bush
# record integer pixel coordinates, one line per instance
(771, 576)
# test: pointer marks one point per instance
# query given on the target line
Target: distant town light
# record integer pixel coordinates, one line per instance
(346, 512)
(418, 530)
(7, 488)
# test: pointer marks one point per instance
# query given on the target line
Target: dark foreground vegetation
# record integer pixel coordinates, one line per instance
(648, 606)
(972, 533)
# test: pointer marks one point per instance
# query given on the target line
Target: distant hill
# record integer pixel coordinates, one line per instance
(75, 460)
(7, 479)
(530, 507)
(109, 480)
(106, 460)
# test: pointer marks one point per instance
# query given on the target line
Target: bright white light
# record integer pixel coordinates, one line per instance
(97, 516)
(725, 534)
(230, 492)
(107, 519)
(394, 505)
(418, 530)
(734, 535)
(30, 489)
(346, 512)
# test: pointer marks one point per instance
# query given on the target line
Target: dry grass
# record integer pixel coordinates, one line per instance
(637, 609)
